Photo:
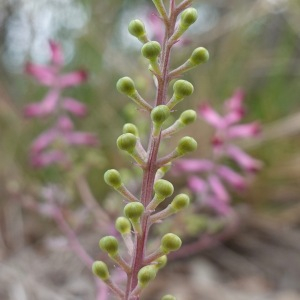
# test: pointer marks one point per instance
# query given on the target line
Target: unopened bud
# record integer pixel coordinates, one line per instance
(200, 55)
(109, 244)
(134, 210)
(125, 85)
(185, 145)
(113, 178)
(180, 202)
(145, 275)
(163, 188)
(188, 17)
(126, 142)
(182, 88)
(130, 128)
(188, 117)
(170, 242)
(123, 225)
(100, 269)
(137, 28)
(151, 50)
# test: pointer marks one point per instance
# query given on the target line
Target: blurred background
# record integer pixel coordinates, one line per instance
(253, 45)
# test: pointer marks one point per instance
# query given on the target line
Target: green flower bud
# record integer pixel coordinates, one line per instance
(180, 202)
(170, 242)
(137, 28)
(182, 88)
(125, 85)
(168, 297)
(130, 128)
(151, 50)
(134, 210)
(109, 244)
(185, 145)
(160, 114)
(160, 262)
(188, 17)
(126, 142)
(100, 269)
(200, 55)
(123, 225)
(188, 117)
(146, 274)
(163, 188)
(113, 178)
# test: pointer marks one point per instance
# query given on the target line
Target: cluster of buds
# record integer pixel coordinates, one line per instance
(53, 145)
(142, 211)
(213, 175)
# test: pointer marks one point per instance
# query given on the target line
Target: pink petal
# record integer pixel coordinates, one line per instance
(44, 74)
(73, 78)
(43, 141)
(220, 207)
(43, 108)
(245, 130)
(194, 165)
(218, 188)
(75, 107)
(196, 184)
(243, 159)
(232, 178)
(48, 158)
(81, 138)
(56, 53)
(65, 124)
(34, 110)
(236, 101)
(211, 116)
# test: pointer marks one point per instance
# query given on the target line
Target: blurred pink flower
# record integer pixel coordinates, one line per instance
(213, 175)
(51, 146)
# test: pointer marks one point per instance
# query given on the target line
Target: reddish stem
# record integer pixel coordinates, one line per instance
(151, 165)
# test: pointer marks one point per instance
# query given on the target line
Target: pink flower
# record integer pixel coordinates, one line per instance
(194, 165)
(45, 159)
(244, 130)
(231, 177)
(56, 53)
(74, 107)
(211, 116)
(73, 78)
(213, 177)
(196, 184)
(218, 188)
(45, 107)
(47, 148)
(43, 141)
(244, 160)
(81, 138)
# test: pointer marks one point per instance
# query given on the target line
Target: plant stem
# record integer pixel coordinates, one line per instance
(151, 165)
